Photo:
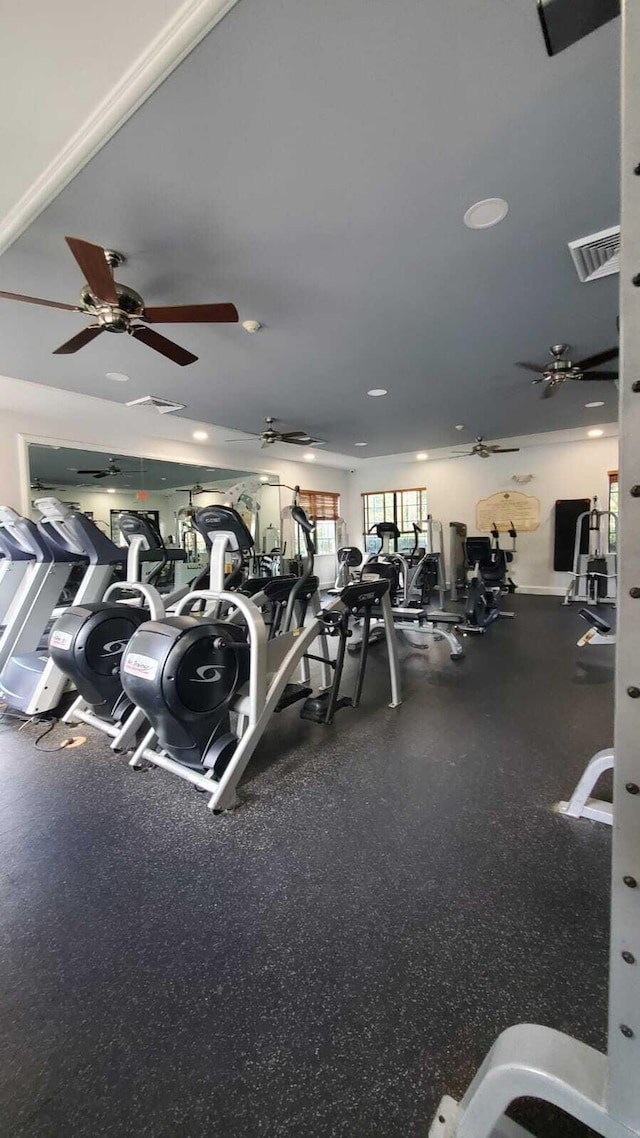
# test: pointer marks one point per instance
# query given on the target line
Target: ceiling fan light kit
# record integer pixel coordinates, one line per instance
(554, 374)
(119, 308)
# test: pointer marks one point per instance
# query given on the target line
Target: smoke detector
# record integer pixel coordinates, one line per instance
(598, 255)
(162, 406)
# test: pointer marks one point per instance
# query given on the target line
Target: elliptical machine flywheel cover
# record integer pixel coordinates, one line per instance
(87, 643)
(180, 662)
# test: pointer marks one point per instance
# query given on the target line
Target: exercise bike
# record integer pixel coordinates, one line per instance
(486, 582)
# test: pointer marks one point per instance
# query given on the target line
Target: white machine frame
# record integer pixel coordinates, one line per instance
(407, 619)
(122, 732)
(33, 602)
(582, 804)
(600, 1090)
(12, 574)
(272, 663)
(577, 589)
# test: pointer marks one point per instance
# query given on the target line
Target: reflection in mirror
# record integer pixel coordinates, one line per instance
(105, 485)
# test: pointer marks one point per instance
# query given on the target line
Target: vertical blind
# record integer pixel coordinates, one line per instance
(321, 505)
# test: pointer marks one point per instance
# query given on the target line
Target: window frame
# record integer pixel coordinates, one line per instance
(394, 511)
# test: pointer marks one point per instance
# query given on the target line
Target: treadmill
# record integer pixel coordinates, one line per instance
(29, 680)
(14, 563)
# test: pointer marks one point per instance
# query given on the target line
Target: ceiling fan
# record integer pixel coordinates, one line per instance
(554, 374)
(110, 471)
(485, 450)
(118, 308)
(270, 436)
(38, 484)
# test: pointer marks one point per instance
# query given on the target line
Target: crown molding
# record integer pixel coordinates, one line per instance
(191, 23)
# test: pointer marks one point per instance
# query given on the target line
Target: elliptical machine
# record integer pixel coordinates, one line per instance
(349, 557)
(88, 640)
(411, 616)
(191, 675)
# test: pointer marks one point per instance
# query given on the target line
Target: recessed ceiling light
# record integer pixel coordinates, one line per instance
(596, 433)
(201, 436)
(459, 426)
(595, 403)
(264, 477)
(309, 458)
(163, 479)
(376, 392)
(422, 455)
(118, 376)
(251, 325)
(361, 444)
(484, 214)
(110, 490)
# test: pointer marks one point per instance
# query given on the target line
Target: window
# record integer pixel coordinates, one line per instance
(613, 506)
(404, 507)
(323, 507)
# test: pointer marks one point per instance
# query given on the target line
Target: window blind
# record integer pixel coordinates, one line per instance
(321, 505)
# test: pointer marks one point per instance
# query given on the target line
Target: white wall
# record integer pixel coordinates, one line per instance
(574, 469)
(32, 412)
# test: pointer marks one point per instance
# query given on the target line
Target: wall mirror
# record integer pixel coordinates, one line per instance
(103, 485)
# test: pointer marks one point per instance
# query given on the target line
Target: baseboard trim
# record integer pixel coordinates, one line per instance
(191, 23)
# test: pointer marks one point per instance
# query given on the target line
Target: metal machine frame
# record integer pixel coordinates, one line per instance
(272, 663)
(38, 592)
(599, 539)
(14, 564)
(582, 804)
(600, 1090)
(414, 623)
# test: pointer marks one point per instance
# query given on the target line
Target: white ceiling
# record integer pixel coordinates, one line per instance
(312, 163)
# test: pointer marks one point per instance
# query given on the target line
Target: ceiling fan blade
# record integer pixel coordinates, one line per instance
(550, 390)
(504, 450)
(79, 340)
(600, 358)
(94, 265)
(38, 300)
(90, 471)
(539, 368)
(564, 23)
(600, 375)
(192, 314)
(163, 345)
(103, 474)
(467, 454)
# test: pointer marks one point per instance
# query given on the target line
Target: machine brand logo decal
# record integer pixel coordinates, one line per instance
(208, 674)
(114, 648)
(143, 666)
(60, 640)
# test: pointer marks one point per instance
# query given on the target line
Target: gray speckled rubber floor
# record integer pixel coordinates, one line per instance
(338, 953)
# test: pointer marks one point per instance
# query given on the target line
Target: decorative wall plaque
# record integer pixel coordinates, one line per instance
(506, 507)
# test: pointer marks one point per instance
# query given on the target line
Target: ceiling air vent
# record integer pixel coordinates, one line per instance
(598, 255)
(162, 406)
